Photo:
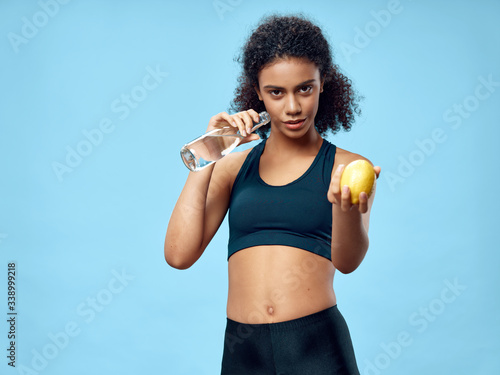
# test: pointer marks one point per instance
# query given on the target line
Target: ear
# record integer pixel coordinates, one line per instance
(257, 90)
(321, 86)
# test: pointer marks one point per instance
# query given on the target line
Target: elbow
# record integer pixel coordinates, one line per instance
(347, 261)
(177, 264)
(176, 259)
(346, 269)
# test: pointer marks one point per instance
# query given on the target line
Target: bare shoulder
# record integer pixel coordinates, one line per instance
(227, 168)
(345, 157)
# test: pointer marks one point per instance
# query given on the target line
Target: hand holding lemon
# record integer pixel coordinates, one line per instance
(350, 181)
(359, 176)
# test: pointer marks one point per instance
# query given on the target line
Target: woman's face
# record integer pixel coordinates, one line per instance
(290, 90)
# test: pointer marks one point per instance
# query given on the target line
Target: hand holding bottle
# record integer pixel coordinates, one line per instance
(242, 121)
(224, 133)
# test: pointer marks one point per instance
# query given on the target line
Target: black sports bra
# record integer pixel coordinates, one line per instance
(297, 214)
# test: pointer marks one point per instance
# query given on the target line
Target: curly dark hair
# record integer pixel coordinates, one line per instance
(280, 37)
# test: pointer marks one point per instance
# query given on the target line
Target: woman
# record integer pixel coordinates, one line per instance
(291, 225)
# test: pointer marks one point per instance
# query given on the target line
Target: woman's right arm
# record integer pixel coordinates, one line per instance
(204, 201)
(196, 217)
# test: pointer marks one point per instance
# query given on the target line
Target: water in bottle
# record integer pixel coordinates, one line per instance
(215, 144)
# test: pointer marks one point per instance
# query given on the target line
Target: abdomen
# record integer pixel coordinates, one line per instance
(277, 283)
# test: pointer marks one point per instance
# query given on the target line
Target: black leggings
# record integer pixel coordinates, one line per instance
(316, 344)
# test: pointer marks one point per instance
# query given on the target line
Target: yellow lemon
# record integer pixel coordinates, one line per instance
(359, 176)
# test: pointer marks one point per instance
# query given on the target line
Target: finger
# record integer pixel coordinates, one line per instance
(255, 116)
(247, 120)
(219, 118)
(335, 182)
(331, 197)
(250, 138)
(239, 123)
(363, 202)
(377, 170)
(334, 188)
(345, 202)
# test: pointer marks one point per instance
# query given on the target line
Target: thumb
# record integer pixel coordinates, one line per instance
(254, 137)
(250, 138)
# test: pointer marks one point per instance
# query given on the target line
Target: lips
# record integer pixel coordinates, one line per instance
(295, 124)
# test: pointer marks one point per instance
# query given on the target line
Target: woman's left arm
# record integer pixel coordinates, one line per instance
(350, 223)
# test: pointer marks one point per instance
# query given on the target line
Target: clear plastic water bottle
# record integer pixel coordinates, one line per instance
(215, 144)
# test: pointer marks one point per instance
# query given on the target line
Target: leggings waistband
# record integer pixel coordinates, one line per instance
(317, 317)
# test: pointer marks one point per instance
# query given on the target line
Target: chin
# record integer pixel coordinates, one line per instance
(299, 133)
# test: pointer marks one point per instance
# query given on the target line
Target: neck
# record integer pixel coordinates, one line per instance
(280, 143)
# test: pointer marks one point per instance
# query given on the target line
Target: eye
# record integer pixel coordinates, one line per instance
(275, 92)
(306, 89)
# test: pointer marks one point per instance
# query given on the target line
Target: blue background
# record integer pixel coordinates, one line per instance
(425, 299)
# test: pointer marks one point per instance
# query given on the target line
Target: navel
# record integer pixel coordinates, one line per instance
(270, 310)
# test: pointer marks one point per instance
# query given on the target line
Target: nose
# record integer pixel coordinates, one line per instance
(292, 106)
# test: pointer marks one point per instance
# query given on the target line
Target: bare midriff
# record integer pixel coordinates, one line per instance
(269, 284)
